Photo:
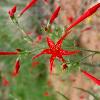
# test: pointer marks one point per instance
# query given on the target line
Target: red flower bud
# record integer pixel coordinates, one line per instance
(8, 53)
(5, 82)
(86, 29)
(46, 94)
(54, 15)
(12, 11)
(29, 5)
(86, 14)
(17, 67)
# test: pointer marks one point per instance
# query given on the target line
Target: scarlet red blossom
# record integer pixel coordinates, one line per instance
(29, 5)
(39, 38)
(17, 67)
(54, 15)
(70, 19)
(55, 50)
(8, 53)
(86, 14)
(46, 94)
(5, 82)
(34, 64)
(86, 29)
(91, 77)
(12, 11)
(46, 1)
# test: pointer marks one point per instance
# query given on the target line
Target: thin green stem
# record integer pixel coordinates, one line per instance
(25, 35)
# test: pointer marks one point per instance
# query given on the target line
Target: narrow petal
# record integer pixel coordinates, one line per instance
(59, 43)
(8, 53)
(50, 43)
(95, 80)
(46, 51)
(54, 15)
(51, 63)
(86, 14)
(65, 52)
(27, 7)
(17, 67)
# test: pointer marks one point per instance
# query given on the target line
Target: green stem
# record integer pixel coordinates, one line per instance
(15, 21)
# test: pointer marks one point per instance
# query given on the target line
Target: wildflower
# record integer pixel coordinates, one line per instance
(70, 19)
(54, 15)
(29, 5)
(39, 38)
(5, 82)
(86, 29)
(17, 67)
(46, 1)
(8, 53)
(55, 50)
(82, 97)
(95, 80)
(34, 64)
(46, 93)
(12, 11)
(49, 83)
(86, 14)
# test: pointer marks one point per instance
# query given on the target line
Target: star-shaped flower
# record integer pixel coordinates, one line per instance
(55, 50)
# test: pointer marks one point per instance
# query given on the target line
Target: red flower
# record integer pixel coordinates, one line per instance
(39, 38)
(46, 1)
(5, 82)
(46, 93)
(54, 15)
(55, 50)
(95, 80)
(27, 7)
(70, 19)
(86, 29)
(17, 67)
(34, 64)
(12, 11)
(8, 53)
(86, 14)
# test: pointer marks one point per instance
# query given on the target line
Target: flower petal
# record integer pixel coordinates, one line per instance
(17, 67)
(8, 53)
(46, 51)
(5, 82)
(27, 7)
(50, 43)
(54, 15)
(65, 52)
(58, 44)
(51, 63)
